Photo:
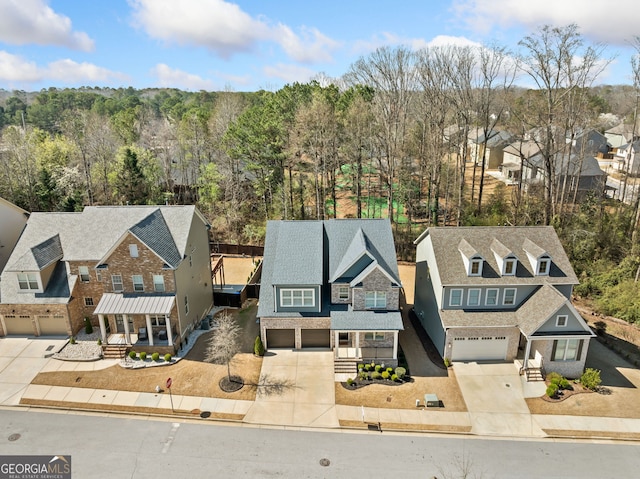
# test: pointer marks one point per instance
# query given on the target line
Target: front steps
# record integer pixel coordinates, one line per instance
(345, 366)
(114, 351)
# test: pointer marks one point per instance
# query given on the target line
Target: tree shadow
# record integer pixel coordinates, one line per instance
(609, 363)
(272, 386)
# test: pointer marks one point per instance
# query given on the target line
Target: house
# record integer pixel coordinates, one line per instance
(331, 284)
(627, 158)
(133, 270)
(500, 294)
(621, 134)
(514, 155)
(490, 145)
(13, 219)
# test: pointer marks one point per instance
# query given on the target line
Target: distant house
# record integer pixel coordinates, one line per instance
(621, 134)
(515, 155)
(13, 219)
(331, 284)
(135, 271)
(500, 294)
(627, 158)
(491, 146)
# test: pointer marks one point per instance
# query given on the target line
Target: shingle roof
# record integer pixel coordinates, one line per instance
(451, 268)
(154, 232)
(539, 307)
(366, 320)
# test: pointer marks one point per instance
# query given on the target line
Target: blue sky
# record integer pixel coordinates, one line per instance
(245, 45)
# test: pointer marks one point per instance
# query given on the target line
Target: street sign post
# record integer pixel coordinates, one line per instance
(169, 383)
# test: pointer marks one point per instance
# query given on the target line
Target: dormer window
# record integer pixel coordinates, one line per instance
(475, 267)
(509, 266)
(28, 281)
(471, 258)
(543, 266)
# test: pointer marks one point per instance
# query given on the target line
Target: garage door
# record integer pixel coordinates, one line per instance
(316, 338)
(281, 338)
(52, 325)
(19, 325)
(479, 348)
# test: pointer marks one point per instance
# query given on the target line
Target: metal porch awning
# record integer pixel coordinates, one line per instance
(114, 303)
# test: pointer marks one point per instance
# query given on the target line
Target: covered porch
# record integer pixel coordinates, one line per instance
(125, 313)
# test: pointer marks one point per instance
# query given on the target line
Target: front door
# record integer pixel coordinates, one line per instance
(119, 323)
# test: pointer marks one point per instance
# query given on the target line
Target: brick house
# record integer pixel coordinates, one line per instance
(331, 284)
(130, 269)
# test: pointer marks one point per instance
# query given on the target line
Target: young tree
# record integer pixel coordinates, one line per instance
(224, 344)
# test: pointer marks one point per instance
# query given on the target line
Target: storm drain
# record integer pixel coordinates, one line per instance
(14, 437)
(50, 347)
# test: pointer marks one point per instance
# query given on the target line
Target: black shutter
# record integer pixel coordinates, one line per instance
(579, 350)
(553, 350)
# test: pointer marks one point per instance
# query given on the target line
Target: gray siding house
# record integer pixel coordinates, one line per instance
(500, 294)
(331, 284)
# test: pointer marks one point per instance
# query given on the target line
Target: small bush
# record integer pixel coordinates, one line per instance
(133, 355)
(88, 327)
(362, 375)
(590, 379)
(350, 382)
(390, 370)
(554, 378)
(72, 340)
(565, 384)
(376, 375)
(401, 372)
(378, 368)
(367, 367)
(447, 362)
(552, 390)
(167, 357)
(360, 367)
(143, 355)
(99, 342)
(394, 377)
(155, 356)
(385, 375)
(258, 347)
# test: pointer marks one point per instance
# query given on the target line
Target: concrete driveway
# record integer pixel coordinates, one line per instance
(21, 359)
(494, 394)
(296, 388)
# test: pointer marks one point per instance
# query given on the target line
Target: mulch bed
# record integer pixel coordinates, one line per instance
(361, 383)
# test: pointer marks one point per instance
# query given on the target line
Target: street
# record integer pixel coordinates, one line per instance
(103, 446)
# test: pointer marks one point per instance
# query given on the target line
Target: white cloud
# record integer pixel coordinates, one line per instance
(234, 79)
(16, 70)
(289, 73)
(173, 78)
(33, 21)
(610, 21)
(225, 29)
(390, 39)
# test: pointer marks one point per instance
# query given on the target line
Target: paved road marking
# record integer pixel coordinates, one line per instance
(171, 437)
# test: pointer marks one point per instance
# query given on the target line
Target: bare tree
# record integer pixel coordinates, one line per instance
(224, 344)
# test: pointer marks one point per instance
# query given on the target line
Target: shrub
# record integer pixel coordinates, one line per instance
(590, 379)
(362, 375)
(167, 357)
(552, 390)
(133, 354)
(447, 362)
(88, 327)
(378, 368)
(376, 375)
(72, 340)
(390, 370)
(394, 377)
(385, 375)
(401, 372)
(155, 356)
(350, 382)
(360, 367)
(367, 367)
(99, 342)
(564, 384)
(554, 378)
(143, 355)
(258, 347)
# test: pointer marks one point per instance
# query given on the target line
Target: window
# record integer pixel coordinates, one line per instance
(99, 276)
(509, 267)
(158, 283)
(133, 250)
(138, 284)
(343, 292)
(83, 271)
(561, 320)
(509, 296)
(116, 282)
(543, 266)
(476, 267)
(186, 305)
(455, 297)
(375, 299)
(473, 298)
(374, 336)
(158, 320)
(491, 298)
(567, 349)
(88, 301)
(28, 280)
(297, 297)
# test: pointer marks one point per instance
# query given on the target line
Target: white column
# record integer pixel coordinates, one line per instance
(149, 330)
(336, 342)
(527, 351)
(127, 334)
(103, 328)
(168, 326)
(395, 345)
(358, 353)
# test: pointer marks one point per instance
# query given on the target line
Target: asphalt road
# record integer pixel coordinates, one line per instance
(124, 447)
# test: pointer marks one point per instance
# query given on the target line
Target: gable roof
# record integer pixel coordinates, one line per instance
(450, 266)
(154, 232)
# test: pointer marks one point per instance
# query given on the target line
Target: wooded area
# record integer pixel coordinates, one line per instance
(389, 138)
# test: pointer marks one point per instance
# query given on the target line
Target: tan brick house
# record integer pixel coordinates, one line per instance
(130, 269)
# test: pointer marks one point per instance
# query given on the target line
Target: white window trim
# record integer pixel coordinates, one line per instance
(303, 305)
(29, 277)
(473, 261)
(341, 289)
(515, 266)
(155, 284)
(378, 297)
(566, 320)
(545, 260)
(566, 348)
(375, 336)
(141, 283)
(451, 296)
(504, 296)
(85, 274)
(486, 298)
(479, 297)
(113, 283)
(133, 250)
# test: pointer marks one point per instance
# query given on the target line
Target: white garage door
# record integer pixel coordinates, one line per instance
(481, 348)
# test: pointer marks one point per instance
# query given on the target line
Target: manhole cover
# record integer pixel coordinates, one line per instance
(205, 414)
(325, 462)
(14, 437)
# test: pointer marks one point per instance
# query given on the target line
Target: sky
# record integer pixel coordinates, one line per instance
(247, 45)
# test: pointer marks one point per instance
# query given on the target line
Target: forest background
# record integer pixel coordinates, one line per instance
(388, 139)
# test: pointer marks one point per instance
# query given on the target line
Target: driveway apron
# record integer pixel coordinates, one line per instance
(296, 388)
(494, 394)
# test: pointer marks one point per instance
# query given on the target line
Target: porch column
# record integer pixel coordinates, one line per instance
(149, 330)
(127, 334)
(358, 353)
(168, 326)
(395, 345)
(527, 352)
(336, 342)
(103, 329)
